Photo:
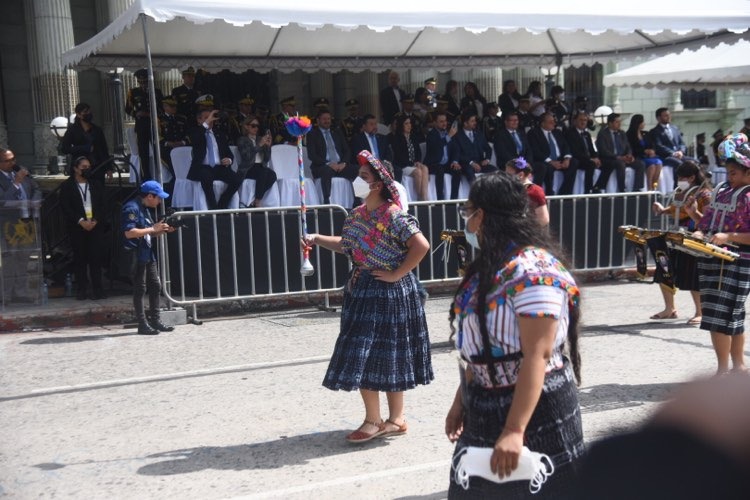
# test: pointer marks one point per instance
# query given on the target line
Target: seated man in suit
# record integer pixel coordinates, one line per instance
(471, 151)
(212, 160)
(328, 152)
(511, 141)
(437, 156)
(583, 150)
(615, 153)
(368, 139)
(667, 141)
(551, 153)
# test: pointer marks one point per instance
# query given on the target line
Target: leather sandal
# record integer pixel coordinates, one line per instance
(360, 436)
(398, 432)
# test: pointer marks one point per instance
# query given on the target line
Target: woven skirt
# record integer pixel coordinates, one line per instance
(383, 344)
(554, 429)
(685, 271)
(724, 288)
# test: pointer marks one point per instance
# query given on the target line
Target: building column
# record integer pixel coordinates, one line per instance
(167, 80)
(54, 88)
(489, 82)
(321, 85)
(289, 84)
(612, 94)
(369, 101)
(344, 88)
(114, 9)
(3, 125)
(675, 100)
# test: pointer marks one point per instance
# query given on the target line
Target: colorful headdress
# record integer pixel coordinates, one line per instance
(366, 158)
(736, 148)
(519, 163)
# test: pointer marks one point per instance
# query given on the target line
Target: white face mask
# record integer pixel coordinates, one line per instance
(683, 185)
(561, 97)
(361, 188)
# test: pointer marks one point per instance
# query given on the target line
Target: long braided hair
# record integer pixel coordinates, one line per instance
(507, 225)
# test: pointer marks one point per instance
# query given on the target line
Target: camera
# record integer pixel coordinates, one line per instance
(222, 115)
(173, 220)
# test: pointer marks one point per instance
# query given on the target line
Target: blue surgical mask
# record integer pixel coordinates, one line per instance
(471, 238)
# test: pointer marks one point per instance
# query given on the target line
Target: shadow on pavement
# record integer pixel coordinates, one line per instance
(293, 450)
(614, 396)
(431, 496)
(73, 340)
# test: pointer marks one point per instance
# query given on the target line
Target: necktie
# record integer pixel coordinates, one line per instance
(374, 144)
(333, 155)
(471, 135)
(210, 149)
(617, 143)
(444, 158)
(668, 130)
(519, 146)
(552, 147)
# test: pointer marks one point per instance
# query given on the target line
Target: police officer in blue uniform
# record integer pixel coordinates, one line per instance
(140, 232)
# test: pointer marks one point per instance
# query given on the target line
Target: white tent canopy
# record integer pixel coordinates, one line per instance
(439, 35)
(721, 66)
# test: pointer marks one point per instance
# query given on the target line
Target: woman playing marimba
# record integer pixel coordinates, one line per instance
(725, 285)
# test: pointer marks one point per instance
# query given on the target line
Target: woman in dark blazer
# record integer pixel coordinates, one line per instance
(82, 205)
(473, 102)
(407, 156)
(255, 153)
(640, 143)
(83, 138)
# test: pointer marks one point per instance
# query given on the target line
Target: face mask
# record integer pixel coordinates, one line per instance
(87, 117)
(683, 185)
(361, 188)
(561, 97)
(85, 173)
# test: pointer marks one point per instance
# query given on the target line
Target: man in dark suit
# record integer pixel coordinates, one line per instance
(328, 154)
(614, 150)
(390, 98)
(85, 138)
(20, 197)
(212, 160)
(551, 153)
(511, 141)
(667, 141)
(471, 151)
(370, 140)
(583, 150)
(437, 156)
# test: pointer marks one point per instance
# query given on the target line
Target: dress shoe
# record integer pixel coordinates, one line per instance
(145, 329)
(155, 323)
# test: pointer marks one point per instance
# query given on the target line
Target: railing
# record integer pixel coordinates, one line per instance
(248, 254)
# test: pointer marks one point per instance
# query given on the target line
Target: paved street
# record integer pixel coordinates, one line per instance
(234, 408)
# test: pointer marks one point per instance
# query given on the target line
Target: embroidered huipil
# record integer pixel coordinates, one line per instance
(734, 222)
(533, 284)
(377, 239)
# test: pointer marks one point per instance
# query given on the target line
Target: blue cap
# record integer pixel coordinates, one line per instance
(153, 187)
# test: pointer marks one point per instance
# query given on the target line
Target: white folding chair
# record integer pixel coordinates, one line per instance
(182, 196)
(284, 162)
(199, 197)
(135, 160)
(463, 188)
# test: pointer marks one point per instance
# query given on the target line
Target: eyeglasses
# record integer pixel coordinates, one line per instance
(464, 212)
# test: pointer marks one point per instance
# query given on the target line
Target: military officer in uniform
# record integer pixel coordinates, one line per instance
(417, 125)
(186, 94)
(138, 106)
(245, 106)
(431, 85)
(321, 104)
(172, 134)
(141, 232)
(353, 121)
(277, 123)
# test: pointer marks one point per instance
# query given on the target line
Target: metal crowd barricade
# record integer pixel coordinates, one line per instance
(226, 255)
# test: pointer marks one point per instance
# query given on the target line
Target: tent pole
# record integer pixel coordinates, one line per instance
(163, 256)
(152, 101)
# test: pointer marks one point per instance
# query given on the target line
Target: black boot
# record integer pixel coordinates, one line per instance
(145, 329)
(155, 322)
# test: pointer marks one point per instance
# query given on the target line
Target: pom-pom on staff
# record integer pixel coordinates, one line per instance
(299, 126)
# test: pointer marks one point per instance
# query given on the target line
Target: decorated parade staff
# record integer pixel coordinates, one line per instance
(725, 285)
(299, 126)
(383, 345)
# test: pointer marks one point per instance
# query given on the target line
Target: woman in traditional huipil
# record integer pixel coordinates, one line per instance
(725, 285)
(383, 345)
(517, 308)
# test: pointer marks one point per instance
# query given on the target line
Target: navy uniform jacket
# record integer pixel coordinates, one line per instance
(138, 100)
(172, 128)
(185, 98)
(135, 215)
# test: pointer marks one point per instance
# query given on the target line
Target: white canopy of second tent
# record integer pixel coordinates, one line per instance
(440, 35)
(721, 66)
